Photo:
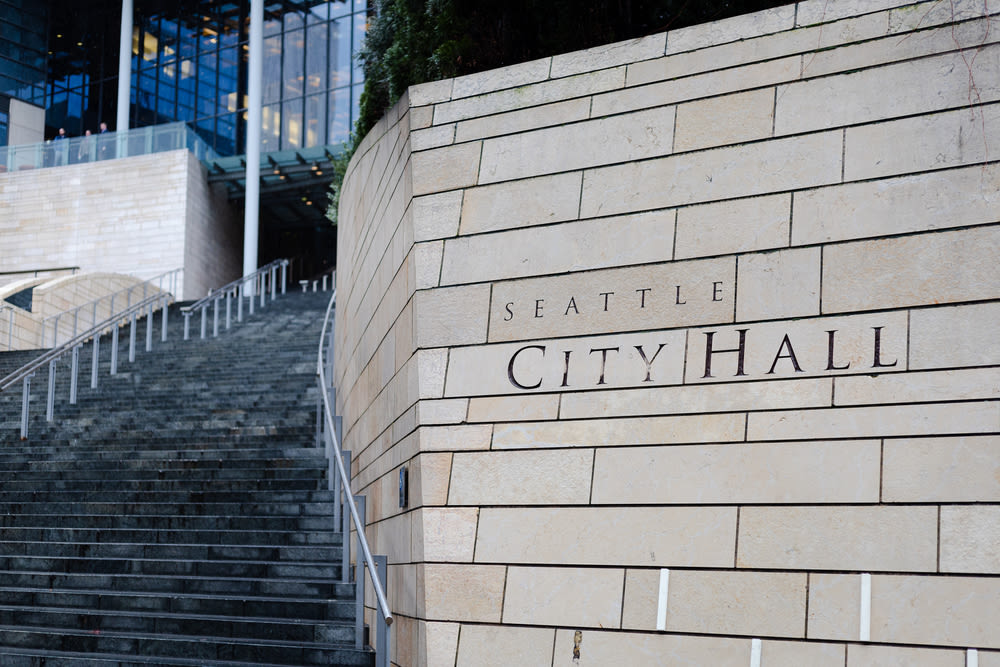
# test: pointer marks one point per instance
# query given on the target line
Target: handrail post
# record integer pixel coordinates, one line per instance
(187, 323)
(25, 396)
(251, 295)
(203, 315)
(346, 528)
(324, 283)
(263, 293)
(73, 373)
(55, 331)
(359, 579)
(114, 348)
(215, 317)
(229, 307)
(50, 401)
(381, 627)
(274, 283)
(149, 328)
(163, 319)
(97, 358)
(131, 338)
(284, 266)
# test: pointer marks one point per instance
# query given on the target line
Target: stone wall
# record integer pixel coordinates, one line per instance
(688, 347)
(139, 215)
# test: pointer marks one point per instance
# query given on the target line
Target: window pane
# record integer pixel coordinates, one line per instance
(316, 45)
(293, 54)
(340, 51)
(360, 28)
(339, 113)
(270, 127)
(315, 120)
(291, 124)
(272, 69)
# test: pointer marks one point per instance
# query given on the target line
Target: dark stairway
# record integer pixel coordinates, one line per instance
(178, 514)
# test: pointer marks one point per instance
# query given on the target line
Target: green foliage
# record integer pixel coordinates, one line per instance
(339, 171)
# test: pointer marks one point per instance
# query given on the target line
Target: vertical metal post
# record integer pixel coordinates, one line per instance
(131, 338)
(73, 373)
(55, 331)
(284, 266)
(274, 282)
(333, 481)
(93, 320)
(114, 348)
(319, 416)
(239, 303)
(251, 294)
(93, 368)
(164, 307)
(345, 528)
(124, 75)
(229, 304)
(203, 322)
(76, 317)
(187, 323)
(25, 395)
(263, 294)
(50, 401)
(255, 79)
(149, 328)
(359, 579)
(382, 630)
(215, 317)
(324, 283)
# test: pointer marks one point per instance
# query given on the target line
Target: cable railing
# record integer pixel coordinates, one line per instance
(74, 346)
(250, 287)
(169, 278)
(328, 432)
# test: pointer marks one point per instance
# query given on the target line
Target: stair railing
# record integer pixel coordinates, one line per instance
(328, 431)
(252, 286)
(24, 374)
(171, 278)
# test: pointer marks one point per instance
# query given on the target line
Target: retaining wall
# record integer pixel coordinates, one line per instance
(688, 347)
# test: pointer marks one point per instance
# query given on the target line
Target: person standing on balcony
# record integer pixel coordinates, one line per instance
(61, 150)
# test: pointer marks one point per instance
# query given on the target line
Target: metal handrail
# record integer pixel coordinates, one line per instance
(345, 480)
(146, 284)
(259, 282)
(34, 272)
(27, 371)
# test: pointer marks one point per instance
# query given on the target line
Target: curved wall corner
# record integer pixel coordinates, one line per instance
(687, 345)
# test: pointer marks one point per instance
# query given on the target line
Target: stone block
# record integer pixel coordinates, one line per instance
(798, 348)
(436, 216)
(834, 606)
(584, 597)
(536, 94)
(653, 296)
(611, 55)
(811, 12)
(430, 370)
(438, 643)
(928, 386)
(512, 76)
(955, 336)
(432, 137)
(963, 469)
(578, 145)
(941, 611)
(688, 399)
(732, 29)
(862, 655)
(797, 654)
(522, 478)
(778, 284)
(448, 168)
(470, 593)
(573, 246)
(444, 534)
(893, 539)
(642, 594)
(535, 201)
(421, 117)
(431, 92)
(446, 411)
(915, 203)
(425, 262)
(923, 269)
(949, 139)
(522, 120)
(875, 422)
(915, 17)
(970, 539)
(729, 119)
(740, 225)
(739, 603)
(635, 536)
(514, 408)
(721, 173)
(499, 646)
(594, 647)
(806, 105)
(612, 432)
(451, 315)
(454, 438)
(574, 363)
(799, 472)
(428, 478)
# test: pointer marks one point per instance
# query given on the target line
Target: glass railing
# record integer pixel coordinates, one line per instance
(107, 146)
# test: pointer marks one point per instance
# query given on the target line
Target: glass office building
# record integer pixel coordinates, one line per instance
(189, 63)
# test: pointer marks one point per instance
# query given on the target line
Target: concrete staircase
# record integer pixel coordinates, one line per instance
(178, 515)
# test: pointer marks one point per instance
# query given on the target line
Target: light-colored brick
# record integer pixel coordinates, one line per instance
(520, 74)
(452, 592)
(918, 387)
(503, 478)
(729, 119)
(523, 120)
(721, 173)
(778, 284)
(834, 606)
(955, 336)
(887, 539)
(742, 603)
(436, 216)
(498, 646)
(446, 534)
(611, 55)
(536, 201)
(451, 316)
(438, 643)
(638, 536)
(963, 469)
(862, 655)
(970, 539)
(610, 432)
(740, 225)
(584, 597)
(797, 654)
(448, 168)
(454, 438)
(924, 269)
(732, 29)
(513, 408)
(806, 472)
(628, 648)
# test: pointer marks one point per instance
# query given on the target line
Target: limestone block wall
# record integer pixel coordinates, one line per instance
(140, 215)
(687, 346)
